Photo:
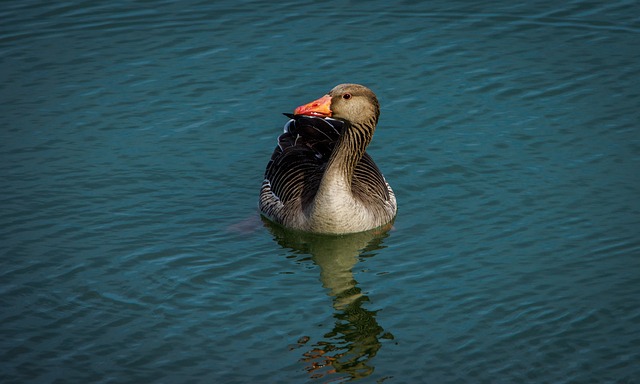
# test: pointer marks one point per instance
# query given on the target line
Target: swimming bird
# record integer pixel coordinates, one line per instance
(320, 178)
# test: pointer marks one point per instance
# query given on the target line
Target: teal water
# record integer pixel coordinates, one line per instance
(134, 136)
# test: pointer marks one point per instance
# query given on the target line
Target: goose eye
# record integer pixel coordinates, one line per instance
(346, 96)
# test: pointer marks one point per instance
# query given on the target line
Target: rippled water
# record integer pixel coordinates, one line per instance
(133, 140)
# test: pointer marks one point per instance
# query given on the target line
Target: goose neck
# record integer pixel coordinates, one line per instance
(348, 151)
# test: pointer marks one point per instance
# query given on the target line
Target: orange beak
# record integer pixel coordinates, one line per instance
(320, 107)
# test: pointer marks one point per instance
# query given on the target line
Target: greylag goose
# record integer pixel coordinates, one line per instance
(320, 178)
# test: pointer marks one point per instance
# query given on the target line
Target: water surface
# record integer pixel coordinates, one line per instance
(134, 136)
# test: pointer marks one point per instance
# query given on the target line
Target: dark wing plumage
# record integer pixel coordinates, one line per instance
(301, 155)
(368, 182)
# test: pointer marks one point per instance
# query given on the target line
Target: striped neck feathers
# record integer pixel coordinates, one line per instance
(348, 151)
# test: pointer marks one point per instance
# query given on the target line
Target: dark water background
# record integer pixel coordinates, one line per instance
(134, 135)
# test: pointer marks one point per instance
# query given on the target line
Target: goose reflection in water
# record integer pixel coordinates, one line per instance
(348, 348)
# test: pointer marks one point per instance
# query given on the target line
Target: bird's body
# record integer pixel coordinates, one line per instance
(320, 178)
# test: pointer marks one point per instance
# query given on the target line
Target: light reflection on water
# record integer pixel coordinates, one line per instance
(356, 337)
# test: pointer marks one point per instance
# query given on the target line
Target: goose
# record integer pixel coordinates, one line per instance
(320, 179)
